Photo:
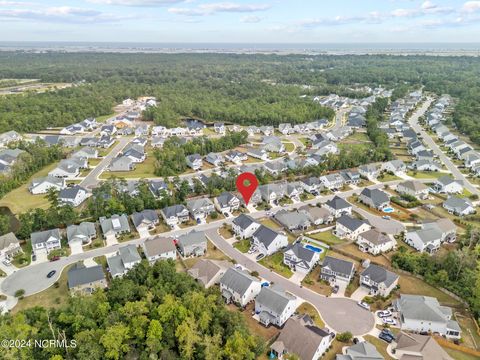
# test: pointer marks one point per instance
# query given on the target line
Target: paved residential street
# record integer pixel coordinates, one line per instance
(457, 174)
(339, 314)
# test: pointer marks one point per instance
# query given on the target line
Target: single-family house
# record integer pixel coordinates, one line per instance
(292, 220)
(82, 233)
(145, 220)
(338, 207)
(369, 171)
(86, 280)
(214, 159)
(428, 240)
(361, 351)
(125, 259)
(268, 241)
(374, 198)
(413, 188)
(425, 314)
(416, 346)
(121, 163)
(378, 281)
(447, 185)
(375, 242)
(45, 241)
(312, 185)
(425, 165)
(227, 202)
(299, 258)
(317, 215)
(209, 272)
(394, 166)
(42, 185)
(274, 305)
(334, 270)
(244, 226)
(261, 154)
(114, 226)
(236, 156)
(239, 287)
(159, 248)
(301, 337)
(194, 161)
(74, 195)
(459, 206)
(200, 208)
(9, 246)
(273, 144)
(350, 227)
(193, 243)
(175, 214)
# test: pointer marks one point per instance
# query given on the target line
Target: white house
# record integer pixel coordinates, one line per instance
(244, 226)
(42, 185)
(268, 241)
(45, 241)
(378, 280)
(375, 242)
(74, 195)
(299, 258)
(239, 287)
(159, 248)
(338, 207)
(274, 306)
(350, 228)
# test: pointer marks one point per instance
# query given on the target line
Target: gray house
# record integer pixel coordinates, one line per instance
(374, 198)
(293, 220)
(126, 258)
(145, 220)
(45, 241)
(334, 270)
(82, 233)
(361, 351)
(274, 305)
(194, 243)
(459, 206)
(200, 208)
(85, 280)
(121, 163)
(175, 214)
(378, 281)
(114, 226)
(239, 287)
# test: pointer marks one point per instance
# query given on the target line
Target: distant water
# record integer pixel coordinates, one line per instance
(328, 48)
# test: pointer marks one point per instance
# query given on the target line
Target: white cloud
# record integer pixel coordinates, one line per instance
(471, 6)
(405, 12)
(139, 3)
(212, 8)
(250, 19)
(427, 5)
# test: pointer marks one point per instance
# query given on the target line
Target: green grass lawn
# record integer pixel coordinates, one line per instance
(52, 297)
(387, 177)
(275, 262)
(242, 245)
(414, 286)
(380, 345)
(425, 174)
(289, 147)
(270, 223)
(20, 199)
(142, 170)
(327, 237)
(103, 118)
(307, 308)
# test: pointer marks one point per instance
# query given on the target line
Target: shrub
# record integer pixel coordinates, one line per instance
(19, 293)
(345, 336)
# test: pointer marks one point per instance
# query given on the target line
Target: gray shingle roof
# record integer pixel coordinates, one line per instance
(338, 265)
(192, 238)
(237, 280)
(378, 197)
(158, 245)
(243, 221)
(117, 223)
(70, 193)
(350, 223)
(81, 275)
(81, 232)
(173, 210)
(338, 203)
(380, 275)
(424, 308)
(146, 216)
(265, 235)
(274, 298)
(42, 236)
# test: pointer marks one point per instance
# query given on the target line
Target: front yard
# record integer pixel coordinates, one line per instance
(243, 245)
(313, 282)
(275, 262)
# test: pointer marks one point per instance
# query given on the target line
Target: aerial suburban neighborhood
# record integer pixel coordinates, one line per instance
(359, 242)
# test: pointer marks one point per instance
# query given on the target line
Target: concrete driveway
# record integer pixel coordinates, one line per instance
(76, 247)
(360, 293)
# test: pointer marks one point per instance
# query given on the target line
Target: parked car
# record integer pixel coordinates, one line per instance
(335, 289)
(364, 305)
(6, 262)
(386, 337)
(389, 333)
(51, 273)
(386, 217)
(34, 257)
(389, 321)
(55, 258)
(260, 257)
(384, 313)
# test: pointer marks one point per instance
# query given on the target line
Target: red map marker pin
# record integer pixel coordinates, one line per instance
(247, 183)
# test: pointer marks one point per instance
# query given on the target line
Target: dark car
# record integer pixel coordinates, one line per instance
(51, 273)
(385, 337)
(34, 257)
(260, 257)
(389, 333)
(335, 289)
(55, 258)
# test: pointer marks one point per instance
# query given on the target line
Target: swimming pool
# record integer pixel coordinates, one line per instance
(388, 210)
(314, 248)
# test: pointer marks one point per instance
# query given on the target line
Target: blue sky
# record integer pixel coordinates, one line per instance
(240, 21)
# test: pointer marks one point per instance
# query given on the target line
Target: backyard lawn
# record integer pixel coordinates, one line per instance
(459, 355)
(388, 177)
(21, 200)
(289, 147)
(275, 262)
(327, 237)
(415, 286)
(142, 170)
(212, 253)
(52, 297)
(425, 174)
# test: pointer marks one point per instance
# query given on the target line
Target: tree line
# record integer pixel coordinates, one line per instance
(153, 312)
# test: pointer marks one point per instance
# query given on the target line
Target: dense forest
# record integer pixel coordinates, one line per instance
(247, 89)
(153, 312)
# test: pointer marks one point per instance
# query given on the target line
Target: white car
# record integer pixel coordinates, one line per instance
(384, 313)
(389, 321)
(364, 305)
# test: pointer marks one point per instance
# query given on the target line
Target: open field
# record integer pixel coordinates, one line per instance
(21, 200)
